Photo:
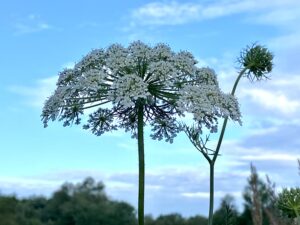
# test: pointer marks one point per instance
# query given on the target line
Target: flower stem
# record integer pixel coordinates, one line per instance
(211, 193)
(141, 194)
(212, 162)
(226, 119)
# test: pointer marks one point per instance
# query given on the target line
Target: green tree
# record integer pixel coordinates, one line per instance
(260, 200)
(171, 219)
(196, 220)
(87, 204)
(149, 220)
(8, 206)
(245, 217)
(255, 62)
(227, 213)
(55, 212)
(269, 205)
(253, 195)
(30, 211)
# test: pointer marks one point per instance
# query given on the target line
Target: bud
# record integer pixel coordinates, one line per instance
(257, 60)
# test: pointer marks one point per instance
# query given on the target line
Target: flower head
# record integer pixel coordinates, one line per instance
(117, 81)
(257, 60)
(204, 99)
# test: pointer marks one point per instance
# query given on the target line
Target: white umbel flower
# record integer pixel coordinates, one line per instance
(92, 80)
(127, 89)
(164, 82)
(207, 101)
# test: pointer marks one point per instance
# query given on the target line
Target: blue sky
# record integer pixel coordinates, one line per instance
(39, 39)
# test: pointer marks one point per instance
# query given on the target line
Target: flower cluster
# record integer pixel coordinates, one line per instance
(204, 99)
(127, 89)
(163, 82)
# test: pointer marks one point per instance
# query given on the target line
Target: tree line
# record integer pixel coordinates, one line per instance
(86, 203)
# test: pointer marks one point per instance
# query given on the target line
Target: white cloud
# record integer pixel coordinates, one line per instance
(161, 14)
(36, 94)
(263, 131)
(286, 41)
(25, 28)
(273, 100)
(219, 194)
(290, 81)
(280, 17)
(174, 13)
(119, 185)
(22, 186)
(31, 24)
(271, 156)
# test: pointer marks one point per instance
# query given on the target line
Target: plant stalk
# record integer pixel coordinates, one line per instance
(212, 162)
(211, 193)
(226, 119)
(141, 194)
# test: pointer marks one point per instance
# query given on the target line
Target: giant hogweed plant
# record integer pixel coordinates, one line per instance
(256, 62)
(131, 87)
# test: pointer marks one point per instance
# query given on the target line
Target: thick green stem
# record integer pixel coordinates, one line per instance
(141, 165)
(211, 193)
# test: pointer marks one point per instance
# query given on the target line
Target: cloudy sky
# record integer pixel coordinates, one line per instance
(39, 39)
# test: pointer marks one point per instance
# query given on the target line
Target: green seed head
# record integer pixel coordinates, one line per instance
(257, 60)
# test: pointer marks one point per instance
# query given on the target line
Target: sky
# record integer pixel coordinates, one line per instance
(40, 38)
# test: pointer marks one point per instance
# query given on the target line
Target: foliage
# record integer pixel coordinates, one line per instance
(245, 217)
(86, 203)
(289, 202)
(8, 206)
(260, 201)
(254, 193)
(83, 204)
(171, 219)
(227, 213)
(196, 220)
